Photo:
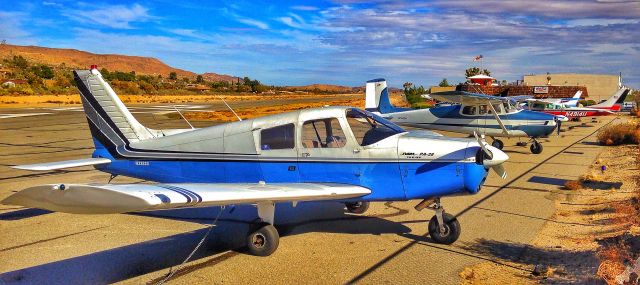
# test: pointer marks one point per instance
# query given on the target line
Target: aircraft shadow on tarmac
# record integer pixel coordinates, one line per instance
(594, 185)
(133, 260)
(22, 214)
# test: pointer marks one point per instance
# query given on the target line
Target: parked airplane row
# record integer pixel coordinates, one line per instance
(332, 153)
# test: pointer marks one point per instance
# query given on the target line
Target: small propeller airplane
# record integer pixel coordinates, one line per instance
(604, 108)
(569, 102)
(342, 154)
(474, 113)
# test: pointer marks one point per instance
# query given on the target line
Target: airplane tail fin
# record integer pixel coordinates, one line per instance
(577, 95)
(108, 117)
(619, 96)
(377, 97)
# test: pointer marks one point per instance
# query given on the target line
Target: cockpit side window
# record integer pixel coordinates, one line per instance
(369, 128)
(469, 110)
(280, 137)
(322, 133)
(497, 107)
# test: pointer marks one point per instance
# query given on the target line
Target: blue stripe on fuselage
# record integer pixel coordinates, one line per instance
(386, 180)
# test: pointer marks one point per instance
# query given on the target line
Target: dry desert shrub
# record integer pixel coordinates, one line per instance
(592, 177)
(612, 262)
(573, 185)
(625, 133)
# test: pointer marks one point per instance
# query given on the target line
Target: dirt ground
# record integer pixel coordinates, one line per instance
(593, 237)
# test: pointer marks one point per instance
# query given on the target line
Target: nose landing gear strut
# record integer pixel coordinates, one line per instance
(443, 228)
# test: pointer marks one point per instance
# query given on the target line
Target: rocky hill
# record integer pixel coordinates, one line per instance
(81, 59)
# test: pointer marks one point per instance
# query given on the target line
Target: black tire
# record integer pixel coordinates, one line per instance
(536, 148)
(452, 229)
(357, 207)
(263, 241)
(497, 144)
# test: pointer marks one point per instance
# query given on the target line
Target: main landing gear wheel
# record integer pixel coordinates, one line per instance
(357, 207)
(263, 241)
(536, 147)
(497, 144)
(450, 231)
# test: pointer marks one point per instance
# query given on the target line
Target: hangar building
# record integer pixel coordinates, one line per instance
(600, 86)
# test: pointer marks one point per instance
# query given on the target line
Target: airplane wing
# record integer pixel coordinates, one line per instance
(467, 98)
(521, 98)
(122, 198)
(63, 164)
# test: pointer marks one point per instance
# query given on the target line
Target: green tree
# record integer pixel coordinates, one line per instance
(43, 71)
(19, 62)
(105, 73)
(473, 71)
(199, 79)
(173, 76)
(444, 83)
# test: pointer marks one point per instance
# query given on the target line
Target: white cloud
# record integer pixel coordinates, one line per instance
(305, 8)
(116, 16)
(252, 22)
(11, 28)
(599, 22)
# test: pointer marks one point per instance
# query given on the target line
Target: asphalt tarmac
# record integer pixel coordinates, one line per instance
(319, 244)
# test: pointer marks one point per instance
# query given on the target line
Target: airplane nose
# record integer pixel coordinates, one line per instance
(498, 157)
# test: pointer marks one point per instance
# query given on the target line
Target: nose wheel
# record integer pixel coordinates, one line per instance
(443, 228)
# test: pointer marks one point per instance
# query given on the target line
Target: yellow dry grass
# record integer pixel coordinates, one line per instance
(57, 100)
(248, 113)
(625, 133)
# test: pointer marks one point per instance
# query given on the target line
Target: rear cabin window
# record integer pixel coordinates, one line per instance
(482, 109)
(469, 110)
(322, 133)
(280, 137)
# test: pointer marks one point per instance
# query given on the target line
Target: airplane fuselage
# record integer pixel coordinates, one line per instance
(401, 167)
(521, 123)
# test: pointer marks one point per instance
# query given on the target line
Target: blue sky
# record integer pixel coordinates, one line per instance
(344, 42)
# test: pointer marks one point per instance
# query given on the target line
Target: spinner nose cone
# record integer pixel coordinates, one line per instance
(498, 157)
(561, 118)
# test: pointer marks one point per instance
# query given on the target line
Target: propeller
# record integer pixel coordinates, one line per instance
(491, 157)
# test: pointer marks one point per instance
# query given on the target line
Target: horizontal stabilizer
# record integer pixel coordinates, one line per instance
(63, 164)
(122, 198)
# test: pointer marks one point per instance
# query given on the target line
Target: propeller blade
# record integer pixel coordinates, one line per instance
(499, 169)
(559, 122)
(483, 145)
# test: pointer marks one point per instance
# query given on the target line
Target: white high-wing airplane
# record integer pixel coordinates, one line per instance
(568, 102)
(333, 153)
(476, 113)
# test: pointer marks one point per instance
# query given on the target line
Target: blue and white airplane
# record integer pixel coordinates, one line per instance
(475, 113)
(334, 153)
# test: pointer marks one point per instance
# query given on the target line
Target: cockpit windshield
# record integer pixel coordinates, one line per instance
(369, 128)
(511, 106)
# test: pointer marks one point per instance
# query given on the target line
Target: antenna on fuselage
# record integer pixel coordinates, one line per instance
(185, 119)
(232, 111)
